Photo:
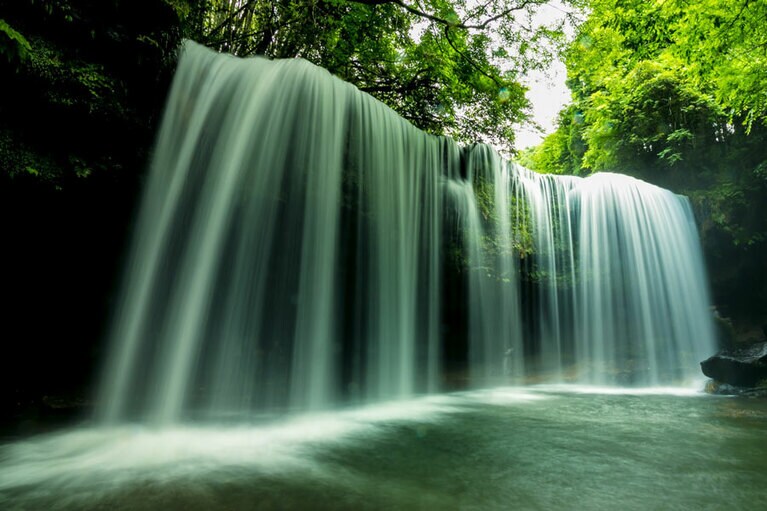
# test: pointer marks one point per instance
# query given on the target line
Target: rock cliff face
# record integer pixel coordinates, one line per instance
(742, 367)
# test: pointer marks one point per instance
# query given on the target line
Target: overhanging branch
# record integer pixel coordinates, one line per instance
(448, 23)
(469, 59)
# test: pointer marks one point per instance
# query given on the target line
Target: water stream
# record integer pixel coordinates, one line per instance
(291, 254)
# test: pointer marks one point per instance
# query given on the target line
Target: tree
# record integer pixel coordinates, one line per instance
(674, 92)
(450, 67)
(724, 42)
(562, 151)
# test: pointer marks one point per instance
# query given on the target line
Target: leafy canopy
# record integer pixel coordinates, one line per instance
(654, 81)
(450, 67)
(674, 92)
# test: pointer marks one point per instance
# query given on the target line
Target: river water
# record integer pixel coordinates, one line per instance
(545, 447)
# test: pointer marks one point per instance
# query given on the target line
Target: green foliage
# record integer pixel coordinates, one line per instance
(19, 160)
(725, 44)
(75, 83)
(675, 92)
(562, 151)
(449, 67)
(659, 84)
(14, 48)
(183, 8)
(83, 97)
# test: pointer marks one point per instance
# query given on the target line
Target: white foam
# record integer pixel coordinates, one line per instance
(110, 456)
(619, 391)
(501, 396)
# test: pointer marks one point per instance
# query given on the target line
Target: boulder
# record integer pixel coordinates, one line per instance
(742, 367)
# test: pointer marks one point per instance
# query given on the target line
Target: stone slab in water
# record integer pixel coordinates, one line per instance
(742, 367)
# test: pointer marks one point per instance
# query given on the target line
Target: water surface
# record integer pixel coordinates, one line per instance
(512, 448)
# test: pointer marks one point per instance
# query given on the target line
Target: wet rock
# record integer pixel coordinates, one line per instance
(725, 389)
(725, 331)
(741, 367)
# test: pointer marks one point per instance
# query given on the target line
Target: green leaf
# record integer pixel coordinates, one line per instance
(13, 45)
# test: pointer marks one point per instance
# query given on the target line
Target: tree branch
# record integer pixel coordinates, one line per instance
(442, 21)
(230, 17)
(414, 83)
(469, 59)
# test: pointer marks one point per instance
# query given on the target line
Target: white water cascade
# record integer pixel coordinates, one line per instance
(291, 254)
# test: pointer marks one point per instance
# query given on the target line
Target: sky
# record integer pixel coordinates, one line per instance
(548, 94)
(547, 91)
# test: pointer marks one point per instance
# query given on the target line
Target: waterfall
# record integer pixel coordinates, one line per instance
(297, 239)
